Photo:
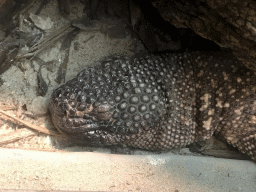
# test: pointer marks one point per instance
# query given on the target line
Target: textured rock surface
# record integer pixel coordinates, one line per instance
(229, 23)
(47, 171)
(158, 103)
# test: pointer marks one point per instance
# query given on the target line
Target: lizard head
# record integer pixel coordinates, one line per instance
(79, 116)
(106, 104)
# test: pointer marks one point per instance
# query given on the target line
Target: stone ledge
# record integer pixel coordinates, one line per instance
(87, 171)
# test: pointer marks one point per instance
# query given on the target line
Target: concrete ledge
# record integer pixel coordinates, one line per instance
(87, 171)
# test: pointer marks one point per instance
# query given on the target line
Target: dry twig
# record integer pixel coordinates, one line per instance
(15, 136)
(30, 125)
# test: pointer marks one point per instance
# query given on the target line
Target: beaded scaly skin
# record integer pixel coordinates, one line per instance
(159, 102)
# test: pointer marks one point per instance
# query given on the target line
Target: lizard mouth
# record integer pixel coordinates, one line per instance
(69, 117)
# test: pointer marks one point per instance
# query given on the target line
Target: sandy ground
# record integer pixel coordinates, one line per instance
(89, 171)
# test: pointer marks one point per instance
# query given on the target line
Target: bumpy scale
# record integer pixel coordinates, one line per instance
(159, 102)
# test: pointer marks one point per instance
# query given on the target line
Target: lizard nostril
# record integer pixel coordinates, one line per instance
(72, 112)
